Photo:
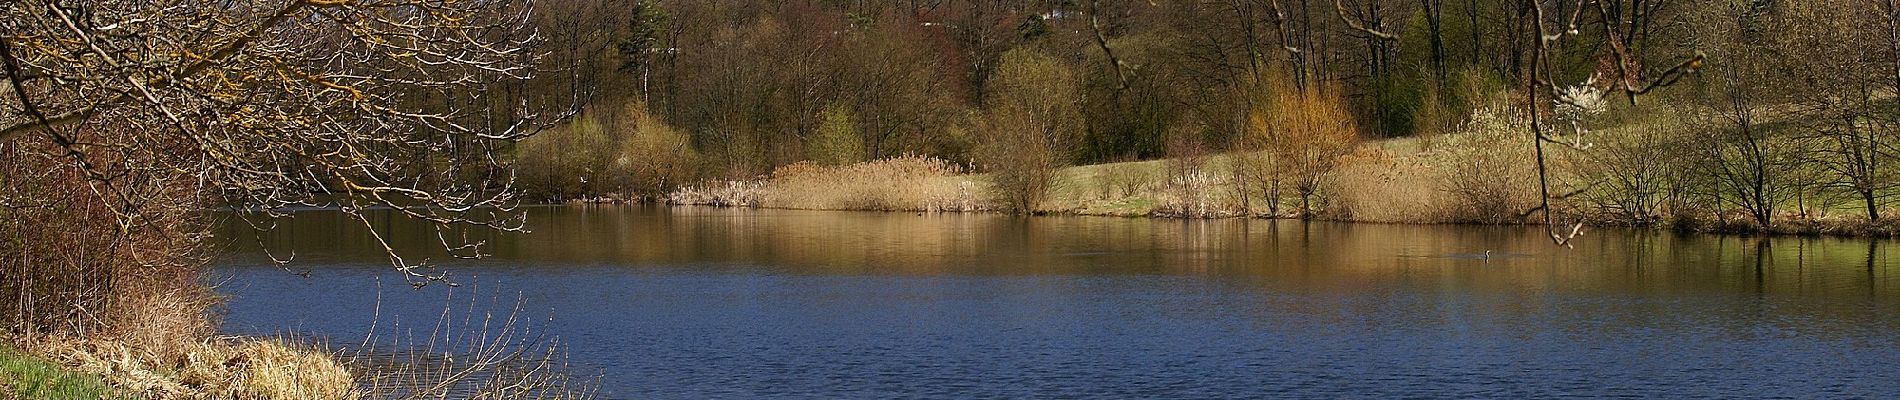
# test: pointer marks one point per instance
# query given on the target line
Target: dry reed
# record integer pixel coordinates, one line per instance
(905, 183)
(468, 354)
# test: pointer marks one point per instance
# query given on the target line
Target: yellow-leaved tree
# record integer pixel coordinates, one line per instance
(1304, 134)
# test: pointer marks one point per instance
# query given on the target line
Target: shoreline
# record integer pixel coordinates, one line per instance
(1846, 229)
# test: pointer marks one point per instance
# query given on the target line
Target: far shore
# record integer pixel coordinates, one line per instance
(1367, 190)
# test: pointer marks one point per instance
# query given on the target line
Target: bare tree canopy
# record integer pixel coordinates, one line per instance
(263, 105)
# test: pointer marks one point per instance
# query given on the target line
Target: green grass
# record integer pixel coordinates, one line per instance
(28, 377)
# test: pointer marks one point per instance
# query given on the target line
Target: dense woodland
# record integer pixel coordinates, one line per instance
(1774, 99)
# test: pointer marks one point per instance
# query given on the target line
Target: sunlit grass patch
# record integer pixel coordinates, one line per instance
(28, 377)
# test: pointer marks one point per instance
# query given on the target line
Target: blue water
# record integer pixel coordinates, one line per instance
(751, 304)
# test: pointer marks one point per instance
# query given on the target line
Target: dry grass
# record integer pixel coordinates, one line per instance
(1418, 182)
(260, 369)
(720, 194)
(468, 354)
(1483, 173)
(907, 183)
(225, 368)
(1375, 186)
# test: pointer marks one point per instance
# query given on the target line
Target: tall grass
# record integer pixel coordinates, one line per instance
(905, 183)
(1374, 185)
(1642, 169)
(468, 353)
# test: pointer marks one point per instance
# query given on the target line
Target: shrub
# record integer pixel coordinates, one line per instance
(608, 151)
(1639, 171)
(1122, 181)
(657, 158)
(1192, 188)
(1029, 123)
(566, 162)
(837, 141)
(1488, 168)
(69, 267)
(1305, 132)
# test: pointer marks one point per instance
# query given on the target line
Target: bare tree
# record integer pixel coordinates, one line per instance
(1540, 86)
(1842, 82)
(354, 105)
(1749, 164)
(1031, 122)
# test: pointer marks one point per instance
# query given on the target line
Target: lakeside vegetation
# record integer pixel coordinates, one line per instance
(1449, 179)
(1694, 116)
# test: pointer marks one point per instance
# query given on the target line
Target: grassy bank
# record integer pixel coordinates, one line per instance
(222, 369)
(27, 377)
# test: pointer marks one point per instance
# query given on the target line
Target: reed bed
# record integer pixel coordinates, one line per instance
(905, 183)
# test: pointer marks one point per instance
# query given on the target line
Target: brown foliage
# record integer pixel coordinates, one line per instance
(74, 262)
(906, 183)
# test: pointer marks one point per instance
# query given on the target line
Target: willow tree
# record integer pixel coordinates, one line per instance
(257, 106)
(1305, 134)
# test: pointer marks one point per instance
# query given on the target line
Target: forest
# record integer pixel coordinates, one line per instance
(1712, 114)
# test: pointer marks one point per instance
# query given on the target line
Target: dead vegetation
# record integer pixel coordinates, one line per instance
(219, 368)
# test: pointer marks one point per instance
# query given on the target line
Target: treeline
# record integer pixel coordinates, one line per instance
(762, 84)
(1769, 101)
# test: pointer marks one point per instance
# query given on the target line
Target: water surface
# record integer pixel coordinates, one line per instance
(723, 303)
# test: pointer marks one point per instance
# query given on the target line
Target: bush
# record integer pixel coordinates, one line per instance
(566, 162)
(1021, 177)
(657, 158)
(837, 141)
(1305, 133)
(625, 150)
(1488, 168)
(68, 267)
(1639, 170)
(1029, 123)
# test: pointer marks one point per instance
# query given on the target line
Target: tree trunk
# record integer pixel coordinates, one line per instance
(1306, 208)
(1273, 198)
(1873, 207)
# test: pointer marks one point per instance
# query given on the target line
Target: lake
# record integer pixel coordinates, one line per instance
(735, 303)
